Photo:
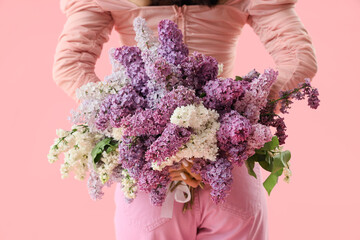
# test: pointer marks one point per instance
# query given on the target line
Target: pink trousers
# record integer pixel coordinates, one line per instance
(242, 217)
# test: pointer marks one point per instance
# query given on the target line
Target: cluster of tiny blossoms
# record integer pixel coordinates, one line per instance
(163, 105)
(76, 146)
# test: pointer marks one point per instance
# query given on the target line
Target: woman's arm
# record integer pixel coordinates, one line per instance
(86, 30)
(286, 39)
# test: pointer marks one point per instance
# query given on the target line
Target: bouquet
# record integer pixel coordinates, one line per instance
(161, 106)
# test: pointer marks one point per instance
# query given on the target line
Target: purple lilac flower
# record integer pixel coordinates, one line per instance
(102, 118)
(260, 134)
(168, 143)
(165, 72)
(144, 122)
(197, 70)
(117, 106)
(222, 93)
(234, 128)
(280, 126)
(172, 47)
(313, 99)
(218, 174)
(158, 195)
(95, 186)
(130, 58)
(236, 154)
(251, 75)
(181, 96)
(149, 179)
(132, 152)
(255, 98)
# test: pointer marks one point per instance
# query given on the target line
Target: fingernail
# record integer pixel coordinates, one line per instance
(185, 163)
(183, 175)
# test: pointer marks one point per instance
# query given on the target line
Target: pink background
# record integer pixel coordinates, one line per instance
(321, 201)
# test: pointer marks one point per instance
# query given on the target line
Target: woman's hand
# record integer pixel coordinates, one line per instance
(185, 174)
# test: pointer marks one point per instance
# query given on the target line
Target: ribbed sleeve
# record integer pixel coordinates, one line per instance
(286, 39)
(79, 46)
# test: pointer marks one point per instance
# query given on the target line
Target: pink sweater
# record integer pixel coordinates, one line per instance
(212, 31)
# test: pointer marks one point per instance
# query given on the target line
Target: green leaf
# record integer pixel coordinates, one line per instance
(98, 149)
(268, 167)
(268, 158)
(238, 78)
(260, 151)
(274, 143)
(285, 157)
(272, 180)
(250, 166)
(202, 95)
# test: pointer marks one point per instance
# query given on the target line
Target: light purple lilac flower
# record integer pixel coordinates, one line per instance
(132, 154)
(172, 47)
(95, 186)
(181, 96)
(117, 106)
(144, 122)
(260, 134)
(255, 97)
(218, 174)
(130, 58)
(168, 143)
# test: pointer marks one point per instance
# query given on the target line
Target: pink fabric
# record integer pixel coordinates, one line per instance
(213, 31)
(242, 217)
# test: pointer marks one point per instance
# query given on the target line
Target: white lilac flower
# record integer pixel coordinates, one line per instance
(108, 162)
(117, 133)
(287, 173)
(203, 142)
(76, 146)
(144, 36)
(128, 184)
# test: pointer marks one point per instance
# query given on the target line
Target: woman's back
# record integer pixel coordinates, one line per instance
(212, 31)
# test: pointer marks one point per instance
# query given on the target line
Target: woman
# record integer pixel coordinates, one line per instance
(213, 31)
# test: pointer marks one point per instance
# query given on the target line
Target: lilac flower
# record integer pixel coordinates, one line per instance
(251, 75)
(218, 175)
(313, 100)
(132, 154)
(260, 134)
(197, 70)
(130, 58)
(95, 186)
(222, 93)
(149, 179)
(178, 97)
(255, 98)
(168, 143)
(117, 106)
(280, 126)
(158, 195)
(116, 174)
(102, 118)
(234, 128)
(172, 47)
(237, 154)
(144, 122)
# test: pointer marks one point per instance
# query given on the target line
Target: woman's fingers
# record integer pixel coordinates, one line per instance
(186, 177)
(188, 167)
